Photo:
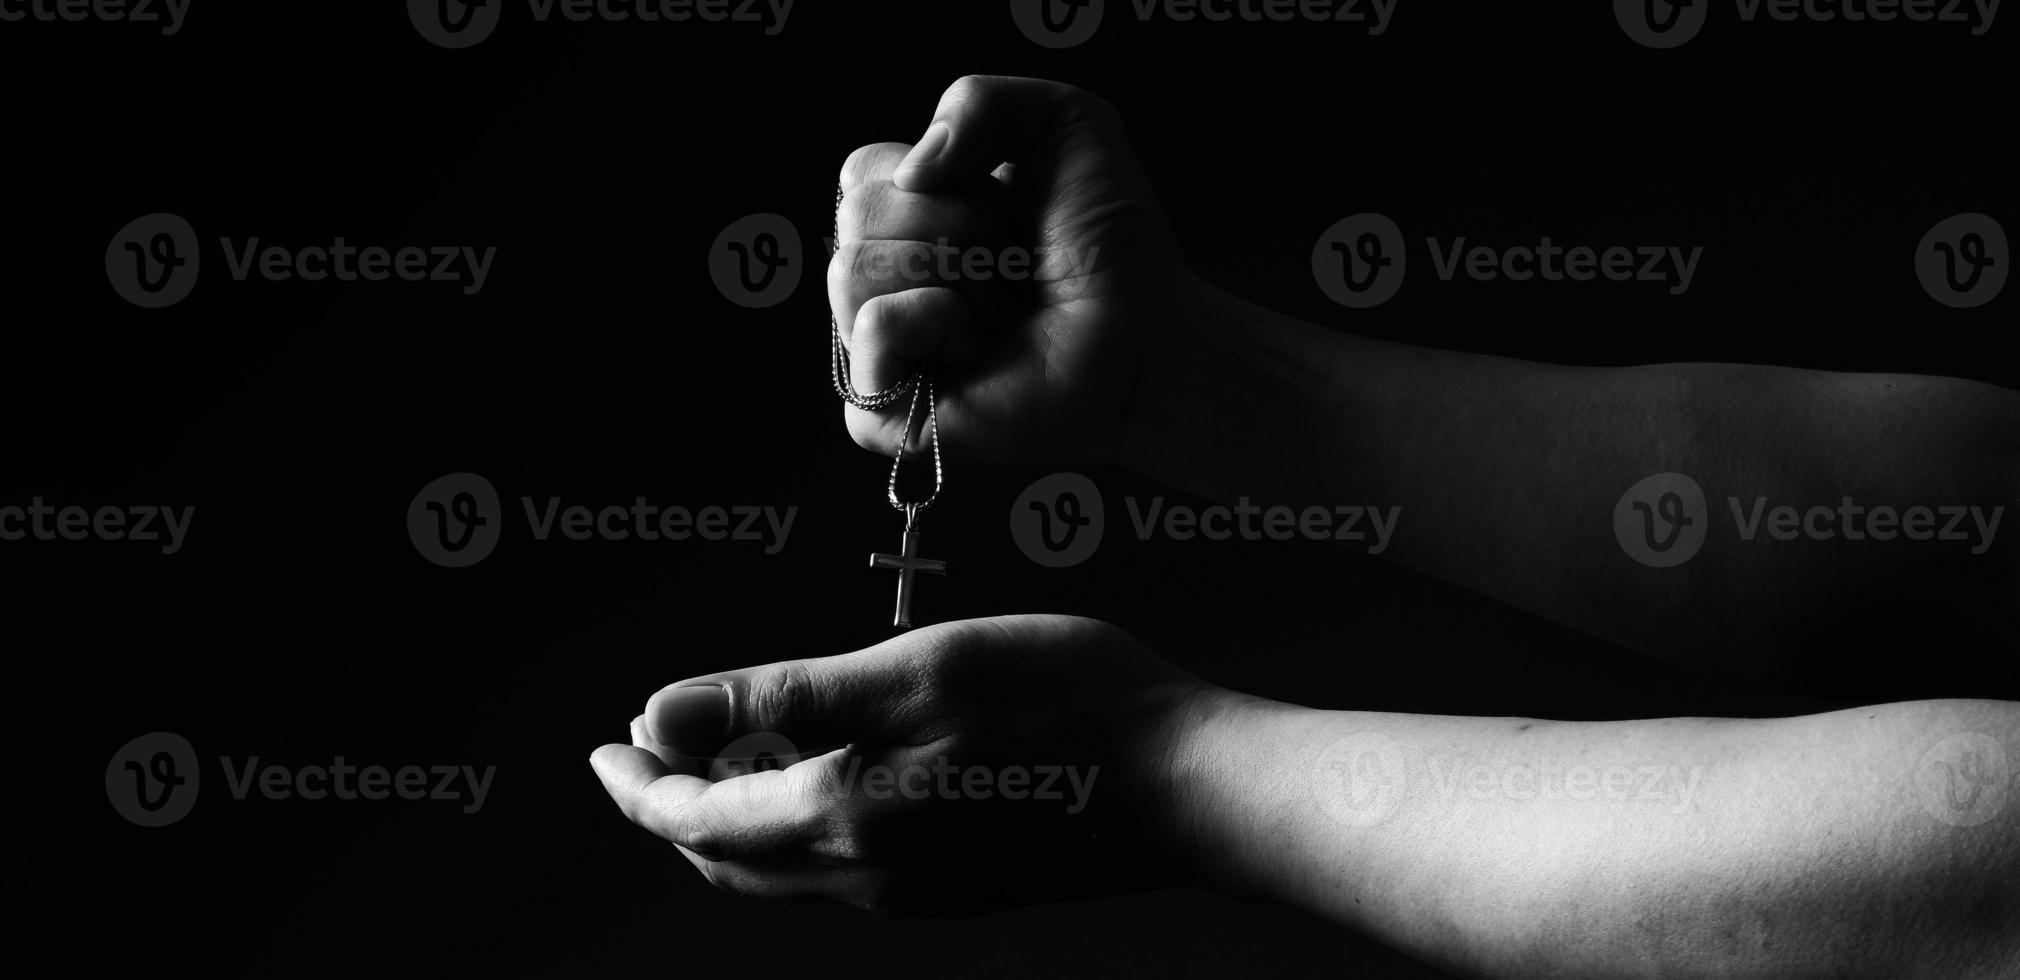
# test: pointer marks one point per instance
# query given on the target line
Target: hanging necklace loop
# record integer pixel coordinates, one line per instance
(923, 391)
(838, 353)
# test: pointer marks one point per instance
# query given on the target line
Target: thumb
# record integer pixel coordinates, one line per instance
(983, 122)
(817, 704)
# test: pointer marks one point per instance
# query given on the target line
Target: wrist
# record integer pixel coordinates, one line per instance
(1205, 749)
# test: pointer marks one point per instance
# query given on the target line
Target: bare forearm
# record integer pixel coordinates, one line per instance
(1878, 842)
(1505, 476)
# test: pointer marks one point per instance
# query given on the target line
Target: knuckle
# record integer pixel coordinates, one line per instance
(861, 206)
(864, 161)
(897, 324)
(848, 838)
(873, 319)
(965, 89)
(702, 834)
(871, 432)
(946, 661)
(841, 267)
(864, 264)
(775, 696)
(856, 271)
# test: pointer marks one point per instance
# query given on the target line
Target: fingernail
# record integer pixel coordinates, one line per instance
(693, 718)
(930, 146)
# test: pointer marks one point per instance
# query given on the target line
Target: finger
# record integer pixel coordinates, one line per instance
(769, 815)
(896, 331)
(873, 695)
(863, 270)
(878, 210)
(641, 738)
(877, 161)
(983, 121)
(645, 790)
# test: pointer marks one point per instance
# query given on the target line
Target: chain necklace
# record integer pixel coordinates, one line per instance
(919, 384)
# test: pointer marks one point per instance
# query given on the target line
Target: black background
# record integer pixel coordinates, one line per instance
(601, 364)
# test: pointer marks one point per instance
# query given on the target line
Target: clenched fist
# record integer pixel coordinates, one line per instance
(1018, 251)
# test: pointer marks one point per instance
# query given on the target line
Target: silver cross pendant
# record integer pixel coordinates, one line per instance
(908, 563)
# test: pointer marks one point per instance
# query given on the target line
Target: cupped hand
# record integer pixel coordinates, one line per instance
(951, 770)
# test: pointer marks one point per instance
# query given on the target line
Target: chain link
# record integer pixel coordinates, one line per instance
(838, 355)
(914, 508)
(919, 384)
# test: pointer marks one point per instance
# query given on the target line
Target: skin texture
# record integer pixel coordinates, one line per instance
(1506, 472)
(1827, 845)
(1881, 841)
